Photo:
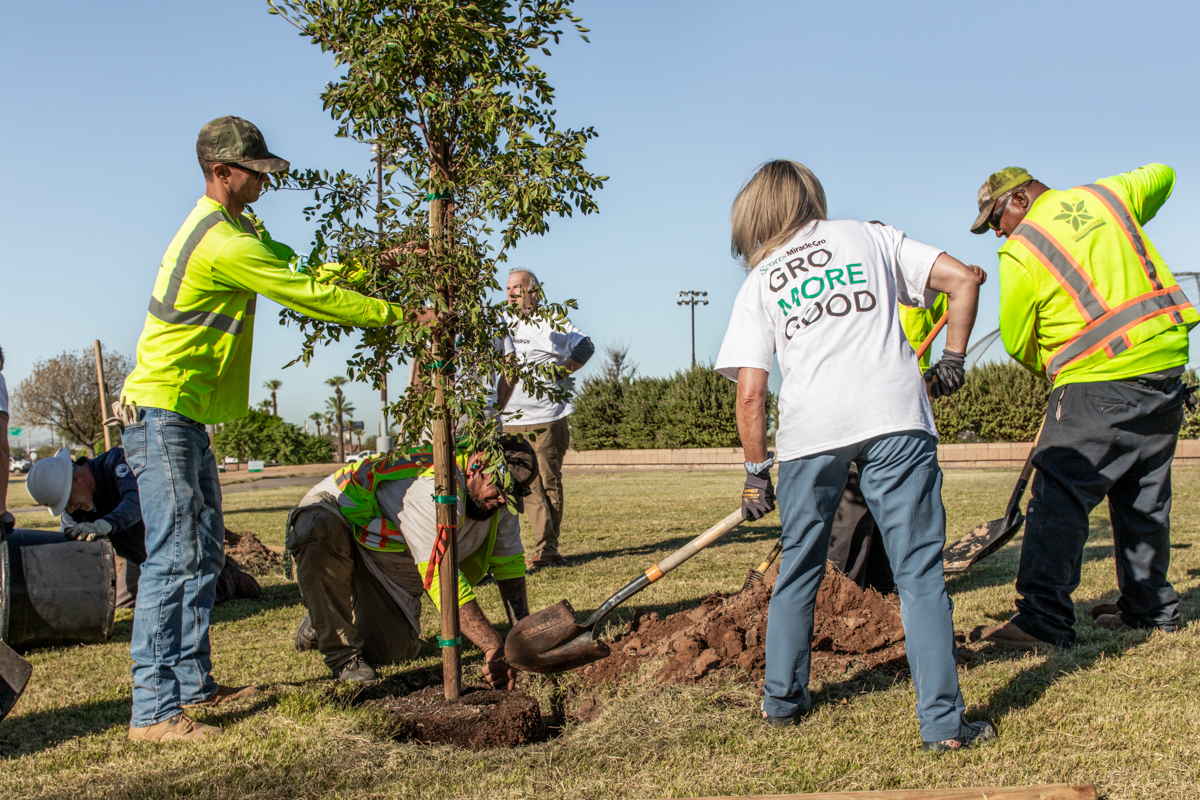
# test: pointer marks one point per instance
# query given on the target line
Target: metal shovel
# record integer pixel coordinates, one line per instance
(991, 536)
(551, 641)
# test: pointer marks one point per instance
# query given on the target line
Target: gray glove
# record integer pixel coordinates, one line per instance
(946, 376)
(89, 531)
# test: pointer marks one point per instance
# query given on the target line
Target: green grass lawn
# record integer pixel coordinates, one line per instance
(1119, 710)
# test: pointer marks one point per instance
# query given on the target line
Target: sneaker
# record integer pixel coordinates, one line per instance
(1111, 622)
(355, 670)
(306, 637)
(972, 734)
(781, 722)
(180, 727)
(1008, 635)
(1100, 609)
(224, 694)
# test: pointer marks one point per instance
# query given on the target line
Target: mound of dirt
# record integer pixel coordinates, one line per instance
(726, 631)
(252, 555)
(482, 718)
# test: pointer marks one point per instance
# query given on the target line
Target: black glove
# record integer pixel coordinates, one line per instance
(946, 376)
(7, 523)
(758, 496)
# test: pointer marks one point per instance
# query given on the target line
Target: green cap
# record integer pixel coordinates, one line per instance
(997, 185)
(233, 140)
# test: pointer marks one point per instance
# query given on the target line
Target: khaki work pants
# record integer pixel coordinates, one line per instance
(545, 505)
(351, 612)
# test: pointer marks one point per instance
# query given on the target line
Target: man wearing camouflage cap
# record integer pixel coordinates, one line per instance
(193, 369)
(1088, 303)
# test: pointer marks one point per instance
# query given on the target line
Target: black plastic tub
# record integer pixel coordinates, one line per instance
(54, 591)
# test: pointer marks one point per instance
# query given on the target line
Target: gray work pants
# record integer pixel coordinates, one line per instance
(350, 611)
(1105, 439)
(902, 483)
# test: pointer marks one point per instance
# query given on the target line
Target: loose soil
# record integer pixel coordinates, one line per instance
(482, 718)
(252, 555)
(728, 633)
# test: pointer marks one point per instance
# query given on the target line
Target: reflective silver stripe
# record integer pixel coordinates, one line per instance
(248, 226)
(165, 309)
(1093, 307)
(1122, 214)
(1109, 329)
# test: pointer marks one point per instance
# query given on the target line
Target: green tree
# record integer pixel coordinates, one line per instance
(449, 91)
(264, 405)
(336, 406)
(998, 402)
(318, 418)
(261, 434)
(273, 386)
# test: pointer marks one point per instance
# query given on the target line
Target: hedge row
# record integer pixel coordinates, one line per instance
(693, 408)
(264, 436)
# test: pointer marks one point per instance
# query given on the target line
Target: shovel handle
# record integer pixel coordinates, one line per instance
(933, 334)
(1014, 502)
(774, 554)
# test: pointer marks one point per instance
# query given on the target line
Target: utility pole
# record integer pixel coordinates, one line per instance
(691, 298)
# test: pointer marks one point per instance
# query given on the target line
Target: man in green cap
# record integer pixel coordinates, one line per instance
(193, 369)
(1087, 303)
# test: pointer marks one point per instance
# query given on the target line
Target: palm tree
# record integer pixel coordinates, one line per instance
(318, 418)
(265, 406)
(337, 404)
(272, 387)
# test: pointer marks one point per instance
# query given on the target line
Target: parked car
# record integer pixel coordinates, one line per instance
(21, 465)
(354, 458)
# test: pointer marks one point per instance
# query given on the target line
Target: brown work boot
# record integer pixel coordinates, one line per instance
(1008, 635)
(225, 694)
(546, 561)
(1104, 608)
(180, 727)
(1111, 622)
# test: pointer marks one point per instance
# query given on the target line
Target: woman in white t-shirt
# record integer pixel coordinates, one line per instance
(822, 296)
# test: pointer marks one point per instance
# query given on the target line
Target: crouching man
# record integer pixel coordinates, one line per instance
(97, 498)
(362, 540)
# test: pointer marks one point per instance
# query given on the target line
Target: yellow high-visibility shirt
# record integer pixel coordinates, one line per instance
(918, 323)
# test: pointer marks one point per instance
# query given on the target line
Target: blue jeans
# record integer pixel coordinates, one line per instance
(185, 532)
(902, 483)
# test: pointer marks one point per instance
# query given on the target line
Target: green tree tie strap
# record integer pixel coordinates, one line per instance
(440, 196)
(455, 642)
(438, 364)
(446, 499)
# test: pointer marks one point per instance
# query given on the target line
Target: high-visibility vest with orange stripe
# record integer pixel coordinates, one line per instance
(1119, 291)
(358, 482)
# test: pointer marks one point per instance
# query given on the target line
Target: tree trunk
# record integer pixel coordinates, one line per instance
(274, 404)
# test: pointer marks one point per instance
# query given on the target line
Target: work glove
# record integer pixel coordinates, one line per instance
(946, 376)
(758, 496)
(497, 671)
(89, 531)
(7, 523)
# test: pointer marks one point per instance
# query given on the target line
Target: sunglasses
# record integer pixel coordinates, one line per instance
(994, 219)
(257, 175)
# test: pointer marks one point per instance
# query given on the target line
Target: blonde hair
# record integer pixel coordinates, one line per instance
(773, 206)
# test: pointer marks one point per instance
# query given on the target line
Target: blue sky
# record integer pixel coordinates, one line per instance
(902, 109)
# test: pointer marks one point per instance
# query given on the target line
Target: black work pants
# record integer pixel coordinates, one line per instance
(1101, 439)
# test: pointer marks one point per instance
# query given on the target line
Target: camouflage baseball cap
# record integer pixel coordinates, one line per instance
(233, 140)
(997, 184)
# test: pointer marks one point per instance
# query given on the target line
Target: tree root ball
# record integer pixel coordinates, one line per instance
(479, 720)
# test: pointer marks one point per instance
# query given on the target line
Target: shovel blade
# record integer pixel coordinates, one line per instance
(14, 674)
(551, 641)
(981, 543)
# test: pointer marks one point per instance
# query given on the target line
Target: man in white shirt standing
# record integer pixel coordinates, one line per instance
(822, 296)
(539, 343)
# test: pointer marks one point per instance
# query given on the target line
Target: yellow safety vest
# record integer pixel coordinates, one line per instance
(1100, 288)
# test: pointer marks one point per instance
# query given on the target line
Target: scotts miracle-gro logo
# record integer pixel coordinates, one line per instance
(1075, 215)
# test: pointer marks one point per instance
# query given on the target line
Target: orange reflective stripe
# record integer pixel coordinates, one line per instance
(1065, 269)
(1110, 330)
(1114, 204)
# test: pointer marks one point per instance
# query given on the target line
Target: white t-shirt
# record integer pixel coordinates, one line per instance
(3, 398)
(540, 344)
(504, 344)
(826, 303)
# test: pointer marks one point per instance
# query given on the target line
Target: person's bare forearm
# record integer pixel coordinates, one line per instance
(572, 365)
(960, 283)
(475, 626)
(515, 597)
(752, 412)
(504, 391)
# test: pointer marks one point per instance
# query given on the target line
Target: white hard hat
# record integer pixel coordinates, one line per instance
(49, 482)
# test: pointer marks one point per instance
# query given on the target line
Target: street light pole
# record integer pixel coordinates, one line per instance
(692, 298)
